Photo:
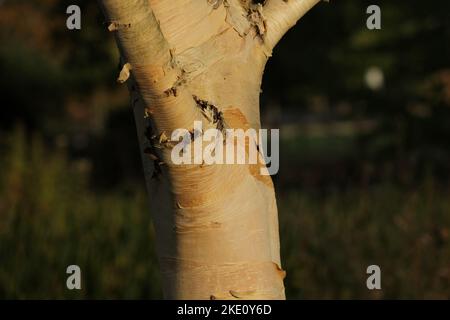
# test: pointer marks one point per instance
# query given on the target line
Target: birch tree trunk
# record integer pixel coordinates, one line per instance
(216, 225)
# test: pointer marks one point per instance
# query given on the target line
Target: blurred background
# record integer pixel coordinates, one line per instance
(364, 120)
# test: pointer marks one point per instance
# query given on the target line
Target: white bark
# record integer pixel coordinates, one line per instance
(216, 225)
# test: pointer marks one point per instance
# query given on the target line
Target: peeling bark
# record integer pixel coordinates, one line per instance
(203, 60)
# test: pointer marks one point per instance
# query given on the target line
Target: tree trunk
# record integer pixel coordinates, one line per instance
(216, 225)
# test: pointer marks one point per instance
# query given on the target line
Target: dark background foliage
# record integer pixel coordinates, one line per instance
(365, 157)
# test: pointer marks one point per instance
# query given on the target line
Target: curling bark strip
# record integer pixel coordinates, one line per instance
(203, 60)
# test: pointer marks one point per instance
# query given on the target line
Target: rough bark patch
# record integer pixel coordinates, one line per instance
(236, 120)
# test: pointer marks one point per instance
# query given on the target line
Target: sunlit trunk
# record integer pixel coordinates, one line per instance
(216, 225)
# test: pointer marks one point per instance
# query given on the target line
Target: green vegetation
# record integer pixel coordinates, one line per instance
(364, 174)
(50, 218)
(328, 242)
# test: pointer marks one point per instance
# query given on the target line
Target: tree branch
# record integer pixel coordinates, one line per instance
(138, 34)
(281, 15)
(146, 53)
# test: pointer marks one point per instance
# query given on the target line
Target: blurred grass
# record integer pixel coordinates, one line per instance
(328, 242)
(305, 148)
(50, 218)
